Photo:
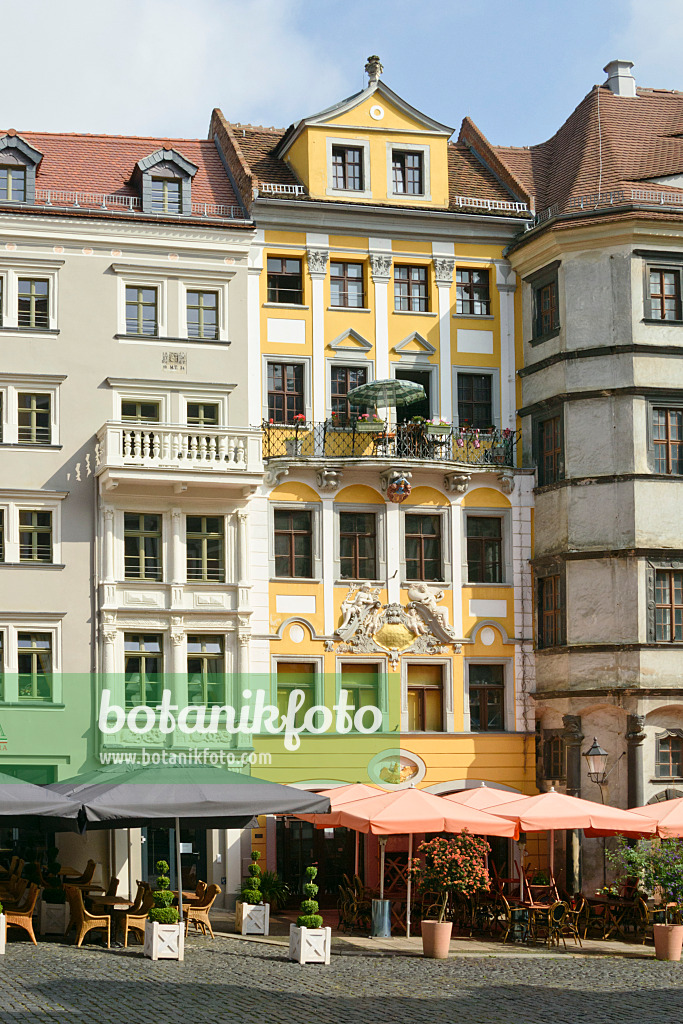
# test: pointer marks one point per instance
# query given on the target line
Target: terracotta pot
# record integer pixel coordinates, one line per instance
(668, 941)
(436, 939)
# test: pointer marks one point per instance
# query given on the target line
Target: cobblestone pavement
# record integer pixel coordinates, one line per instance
(229, 980)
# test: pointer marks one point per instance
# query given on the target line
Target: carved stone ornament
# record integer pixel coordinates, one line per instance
(457, 483)
(572, 728)
(636, 729)
(274, 474)
(380, 266)
(329, 479)
(369, 627)
(443, 269)
(507, 482)
(392, 476)
(317, 261)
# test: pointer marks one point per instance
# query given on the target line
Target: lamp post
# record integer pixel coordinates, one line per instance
(596, 759)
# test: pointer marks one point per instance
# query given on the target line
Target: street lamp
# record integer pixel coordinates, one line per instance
(596, 759)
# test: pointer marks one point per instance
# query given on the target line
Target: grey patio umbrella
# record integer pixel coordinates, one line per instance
(387, 393)
(23, 804)
(198, 795)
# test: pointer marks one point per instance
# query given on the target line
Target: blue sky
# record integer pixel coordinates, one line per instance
(158, 67)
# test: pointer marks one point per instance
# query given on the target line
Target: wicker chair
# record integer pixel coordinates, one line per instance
(81, 920)
(6, 872)
(134, 920)
(11, 894)
(24, 918)
(84, 879)
(113, 886)
(198, 913)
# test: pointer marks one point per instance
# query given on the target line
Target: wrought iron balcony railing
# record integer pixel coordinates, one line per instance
(356, 440)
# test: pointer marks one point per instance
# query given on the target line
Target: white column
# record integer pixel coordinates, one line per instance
(380, 264)
(506, 283)
(456, 563)
(327, 523)
(393, 553)
(443, 269)
(177, 563)
(178, 654)
(243, 582)
(253, 353)
(316, 259)
(108, 549)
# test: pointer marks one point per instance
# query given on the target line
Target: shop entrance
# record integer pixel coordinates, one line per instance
(159, 844)
(332, 850)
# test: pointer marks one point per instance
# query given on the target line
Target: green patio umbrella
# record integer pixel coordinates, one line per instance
(387, 393)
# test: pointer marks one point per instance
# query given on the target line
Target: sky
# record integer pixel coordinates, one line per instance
(158, 67)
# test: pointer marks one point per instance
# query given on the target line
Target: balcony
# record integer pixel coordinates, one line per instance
(176, 457)
(436, 445)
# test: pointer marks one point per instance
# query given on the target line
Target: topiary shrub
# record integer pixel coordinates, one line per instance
(310, 918)
(162, 912)
(251, 890)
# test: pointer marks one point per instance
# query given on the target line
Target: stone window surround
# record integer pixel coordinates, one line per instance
(536, 281)
(342, 358)
(315, 508)
(664, 260)
(18, 266)
(318, 675)
(382, 681)
(11, 385)
(12, 503)
(509, 723)
(10, 627)
(491, 371)
(348, 142)
(380, 542)
(446, 566)
(307, 363)
(505, 515)
(173, 399)
(673, 400)
(662, 735)
(446, 664)
(407, 147)
(652, 566)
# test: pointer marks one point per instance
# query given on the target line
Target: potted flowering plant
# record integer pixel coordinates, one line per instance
(438, 426)
(294, 445)
(456, 864)
(369, 423)
(658, 864)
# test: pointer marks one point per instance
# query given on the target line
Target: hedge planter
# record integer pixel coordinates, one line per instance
(252, 919)
(437, 428)
(53, 918)
(436, 939)
(310, 945)
(164, 941)
(369, 427)
(3, 933)
(668, 941)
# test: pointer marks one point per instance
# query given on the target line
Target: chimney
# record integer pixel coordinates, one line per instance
(374, 69)
(619, 78)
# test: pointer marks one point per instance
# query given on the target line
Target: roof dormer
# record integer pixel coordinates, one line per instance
(18, 164)
(166, 182)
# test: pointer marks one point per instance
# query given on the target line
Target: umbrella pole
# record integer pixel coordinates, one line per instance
(382, 844)
(409, 887)
(551, 858)
(355, 863)
(179, 872)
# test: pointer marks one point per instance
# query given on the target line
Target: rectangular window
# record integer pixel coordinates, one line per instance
(555, 758)
(143, 668)
(550, 612)
(669, 605)
(33, 416)
(35, 536)
(547, 317)
(667, 431)
(293, 543)
(425, 698)
(549, 451)
(407, 173)
(475, 404)
(12, 184)
(205, 548)
(140, 412)
(472, 292)
(285, 392)
(142, 546)
(669, 757)
(423, 546)
(358, 545)
(410, 289)
(141, 311)
(347, 168)
(487, 698)
(2, 299)
(665, 294)
(362, 683)
(295, 676)
(484, 549)
(167, 195)
(34, 657)
(2, 536)
(202, 315)
(205, 670)
(342, 380)
(346, 285)
(33, 303)
(285, 282)
(202, 414)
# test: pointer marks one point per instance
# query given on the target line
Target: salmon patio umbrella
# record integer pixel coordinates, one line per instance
(668, 816)
(338, 796)
(407, 811)
(482, 797)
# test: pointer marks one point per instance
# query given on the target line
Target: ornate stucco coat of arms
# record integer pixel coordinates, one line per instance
(419, 627)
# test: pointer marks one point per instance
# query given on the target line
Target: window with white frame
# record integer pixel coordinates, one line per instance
(30, 528)
(30, 662)
(29, 410)
(295, 541)
(206, 669)
(408, 171)
(487, 557)
(348, 167)
(489, 695)
(150, 402)
(29, 294)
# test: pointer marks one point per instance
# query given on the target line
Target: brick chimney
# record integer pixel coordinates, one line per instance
(619, 78)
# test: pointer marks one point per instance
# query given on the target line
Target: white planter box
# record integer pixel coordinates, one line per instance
(164, 941)
(3, 933)
(53, 918)
(252, 918)
(310, 945)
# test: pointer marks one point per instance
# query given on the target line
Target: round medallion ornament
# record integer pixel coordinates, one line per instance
(398, 490)
(377, 112)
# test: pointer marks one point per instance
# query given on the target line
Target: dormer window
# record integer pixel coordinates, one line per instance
(347, 168)
(18, 164)
(167, 195)
(13, 184)
(166, 182)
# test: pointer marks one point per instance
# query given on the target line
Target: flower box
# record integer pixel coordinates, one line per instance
(53, 918)
(310, 945)
(3, 933)
(438, 428)
(294, 445)
(369, 426)
(252, 918)
(164, 941)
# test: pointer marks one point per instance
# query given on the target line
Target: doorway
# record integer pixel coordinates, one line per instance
(423, 408)
(332, 850)
(160, 845)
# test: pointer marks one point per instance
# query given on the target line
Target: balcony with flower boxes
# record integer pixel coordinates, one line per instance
(174, 458)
